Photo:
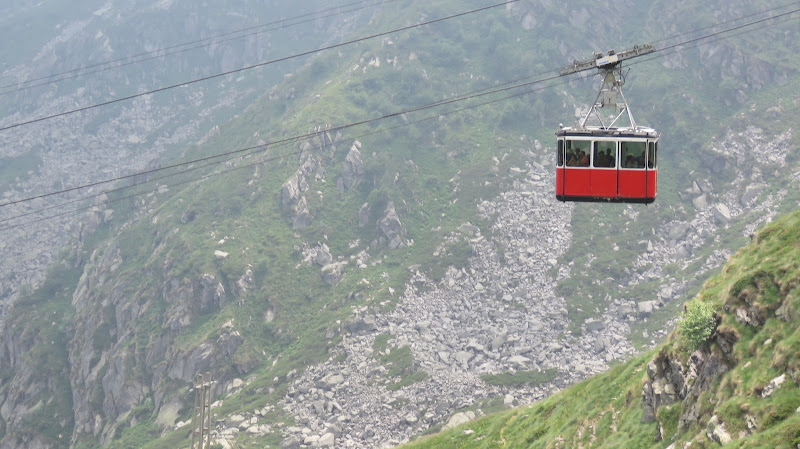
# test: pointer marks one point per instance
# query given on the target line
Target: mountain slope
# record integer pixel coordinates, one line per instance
(364, 284)
(73, 56)
(739, 389)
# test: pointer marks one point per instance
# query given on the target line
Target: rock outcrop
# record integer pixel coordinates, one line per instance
(669, 380)
(391, 228)
(352, 168)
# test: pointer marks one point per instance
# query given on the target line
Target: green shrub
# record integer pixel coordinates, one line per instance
(698, 323)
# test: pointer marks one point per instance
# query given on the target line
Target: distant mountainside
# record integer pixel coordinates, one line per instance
(64, 56)
(362, 285)
(739, 388)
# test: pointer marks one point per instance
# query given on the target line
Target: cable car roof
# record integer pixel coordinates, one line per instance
(614, 132)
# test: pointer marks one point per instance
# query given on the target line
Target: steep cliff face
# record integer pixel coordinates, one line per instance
(123, 347)
(35, 397)
(113, 357)
(670, 381)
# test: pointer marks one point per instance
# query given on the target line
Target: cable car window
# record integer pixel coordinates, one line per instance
(651, 155)
(633, 154)
(604, 153)
(578, 153)
(560, 154)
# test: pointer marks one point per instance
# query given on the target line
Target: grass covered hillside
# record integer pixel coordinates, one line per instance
(737, 388)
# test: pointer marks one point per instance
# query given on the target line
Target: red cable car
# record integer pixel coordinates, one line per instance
(606, 163)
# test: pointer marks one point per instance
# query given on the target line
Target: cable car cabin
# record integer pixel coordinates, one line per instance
(607, 164)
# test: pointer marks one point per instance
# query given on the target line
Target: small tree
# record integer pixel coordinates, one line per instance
(698, 323)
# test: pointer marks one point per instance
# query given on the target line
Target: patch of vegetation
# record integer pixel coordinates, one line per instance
(18, 169)
(521, 378)
(698, 323)
(406, 380)
(455, 255)
(399, 362)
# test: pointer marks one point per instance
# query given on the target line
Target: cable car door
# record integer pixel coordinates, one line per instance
(632, 170)
(604, 169)
(577, 173)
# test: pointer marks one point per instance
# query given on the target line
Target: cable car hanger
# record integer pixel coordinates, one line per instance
(613, 79)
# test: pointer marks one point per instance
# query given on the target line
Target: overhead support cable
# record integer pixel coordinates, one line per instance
(263, 160)
(728, 30)
(467, 96)
(178, 49)
(678, 48)
(736, 19)
(254, 66)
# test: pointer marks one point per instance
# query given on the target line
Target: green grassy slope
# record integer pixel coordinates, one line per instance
(606, 411)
